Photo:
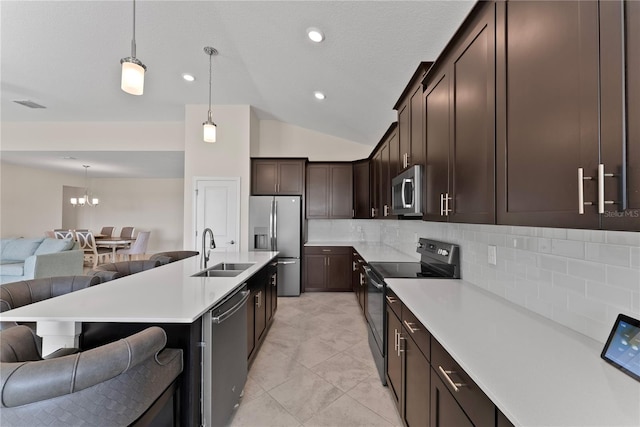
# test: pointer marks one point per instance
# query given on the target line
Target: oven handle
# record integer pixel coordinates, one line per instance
(369, 273)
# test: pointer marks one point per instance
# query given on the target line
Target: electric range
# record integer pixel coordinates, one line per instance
(438, 260)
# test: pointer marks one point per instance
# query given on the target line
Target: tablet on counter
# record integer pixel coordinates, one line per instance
(622, 349)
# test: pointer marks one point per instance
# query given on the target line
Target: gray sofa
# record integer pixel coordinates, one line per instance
(115, 270)
(23, 259)
(111, 385)
(172, 256)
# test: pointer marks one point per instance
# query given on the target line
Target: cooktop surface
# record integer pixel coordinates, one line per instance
(405, 270)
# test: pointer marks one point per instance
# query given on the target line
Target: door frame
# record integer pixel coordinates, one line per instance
(194, 189)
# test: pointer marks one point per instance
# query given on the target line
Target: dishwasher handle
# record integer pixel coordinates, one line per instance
(224, 316)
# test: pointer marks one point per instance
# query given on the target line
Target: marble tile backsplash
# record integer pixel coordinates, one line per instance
(579, 278)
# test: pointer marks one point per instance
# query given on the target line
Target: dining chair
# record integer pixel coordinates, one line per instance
(107, 231)
(92, 253)
(127, 232)
(138, 247)
(63, 234)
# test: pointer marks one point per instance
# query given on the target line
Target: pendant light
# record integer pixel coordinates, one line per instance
(132, 68)
(208, 127)
(85, 200)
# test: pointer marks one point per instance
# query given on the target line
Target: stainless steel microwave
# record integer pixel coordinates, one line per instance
(406, 192)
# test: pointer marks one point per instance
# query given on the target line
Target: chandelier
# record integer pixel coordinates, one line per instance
(86, 199)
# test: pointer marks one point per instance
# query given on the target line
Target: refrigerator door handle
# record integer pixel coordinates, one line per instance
(275, 225)
(271, 225)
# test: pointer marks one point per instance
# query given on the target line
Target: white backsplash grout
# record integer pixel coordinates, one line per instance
(579, 278)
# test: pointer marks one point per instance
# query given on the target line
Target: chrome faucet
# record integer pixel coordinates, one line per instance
(212, 245)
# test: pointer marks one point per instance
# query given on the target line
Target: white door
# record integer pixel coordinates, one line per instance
(218, 208)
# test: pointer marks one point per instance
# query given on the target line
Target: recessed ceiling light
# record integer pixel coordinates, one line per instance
(319, 95)
(315, 34)
(188, 77)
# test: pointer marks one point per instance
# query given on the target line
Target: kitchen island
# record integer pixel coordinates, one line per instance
(168, 296)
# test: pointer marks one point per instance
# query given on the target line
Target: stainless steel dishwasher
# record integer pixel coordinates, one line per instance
(224, 357)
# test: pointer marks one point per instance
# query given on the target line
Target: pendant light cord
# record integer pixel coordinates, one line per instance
(133, 40)
(210, 55)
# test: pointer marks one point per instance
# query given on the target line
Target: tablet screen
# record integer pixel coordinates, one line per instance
(622, 349)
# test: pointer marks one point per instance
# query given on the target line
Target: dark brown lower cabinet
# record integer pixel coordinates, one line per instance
(327, 268)
(445, 411)
(261, 307)
(394, 359)
(417, 373)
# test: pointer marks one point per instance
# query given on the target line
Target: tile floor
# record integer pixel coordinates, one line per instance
(315, 369)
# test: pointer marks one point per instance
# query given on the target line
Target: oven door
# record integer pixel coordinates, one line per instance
(375, 307)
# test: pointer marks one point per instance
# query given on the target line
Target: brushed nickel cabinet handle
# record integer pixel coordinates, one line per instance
(391, 300)
(456, 386)
(411, 327)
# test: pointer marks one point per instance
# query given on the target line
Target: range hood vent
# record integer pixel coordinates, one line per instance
(29, 104)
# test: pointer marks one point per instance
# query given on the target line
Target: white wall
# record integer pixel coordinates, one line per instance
(278, 139)
(31, 200)
(581, 279)
(228, 157)
(92, 136)
(154, 205)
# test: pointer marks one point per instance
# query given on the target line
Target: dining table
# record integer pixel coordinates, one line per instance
(112, 242)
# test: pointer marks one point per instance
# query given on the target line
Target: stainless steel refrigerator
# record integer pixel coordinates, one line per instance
(275, 225)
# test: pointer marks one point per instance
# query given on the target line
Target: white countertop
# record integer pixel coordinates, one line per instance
(371, 252)
(537, 372)
(165, 294)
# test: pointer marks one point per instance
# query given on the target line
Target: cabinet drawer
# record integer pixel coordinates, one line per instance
(327, 250)
(394, 302)
(476, 404)
(417, 332)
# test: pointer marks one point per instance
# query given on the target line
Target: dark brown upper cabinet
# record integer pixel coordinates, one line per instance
(459, 100)
(277, 176)
(361, 190)
(329, 190)
(384, 166)
(620, 113)
(410, 110)
(547, 111)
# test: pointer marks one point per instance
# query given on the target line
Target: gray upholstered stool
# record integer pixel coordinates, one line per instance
(171, 256)
(116, 270)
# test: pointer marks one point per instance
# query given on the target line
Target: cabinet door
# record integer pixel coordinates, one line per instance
(314, 271)
(547, 112)
(261, 312)
(394, 360)
(341, 191)
(404, 134)
(339, 272)
(376, 191)
(416, 153)
(472, 155)
(264, 177)
(438, 134)
(445, 411)
(290, 177)
(395, 165)
(274, 293)
(318, 191)
(620, 109)
(417, 373)
(251, 328)
(361, 197)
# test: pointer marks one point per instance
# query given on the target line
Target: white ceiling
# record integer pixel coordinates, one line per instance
(66, 56)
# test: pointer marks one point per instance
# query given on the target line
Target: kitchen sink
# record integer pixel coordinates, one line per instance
(231, 266)
(224, 269)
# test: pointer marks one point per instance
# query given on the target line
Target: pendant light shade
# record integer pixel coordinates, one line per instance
(132, 76)
(209, 129)
(132, 68)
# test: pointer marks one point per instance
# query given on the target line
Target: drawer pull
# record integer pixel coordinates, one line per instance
(411, 327)
(456, 386)
(326, 250)
(391, 300)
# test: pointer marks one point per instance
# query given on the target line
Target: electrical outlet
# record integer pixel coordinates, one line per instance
(493, 255)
